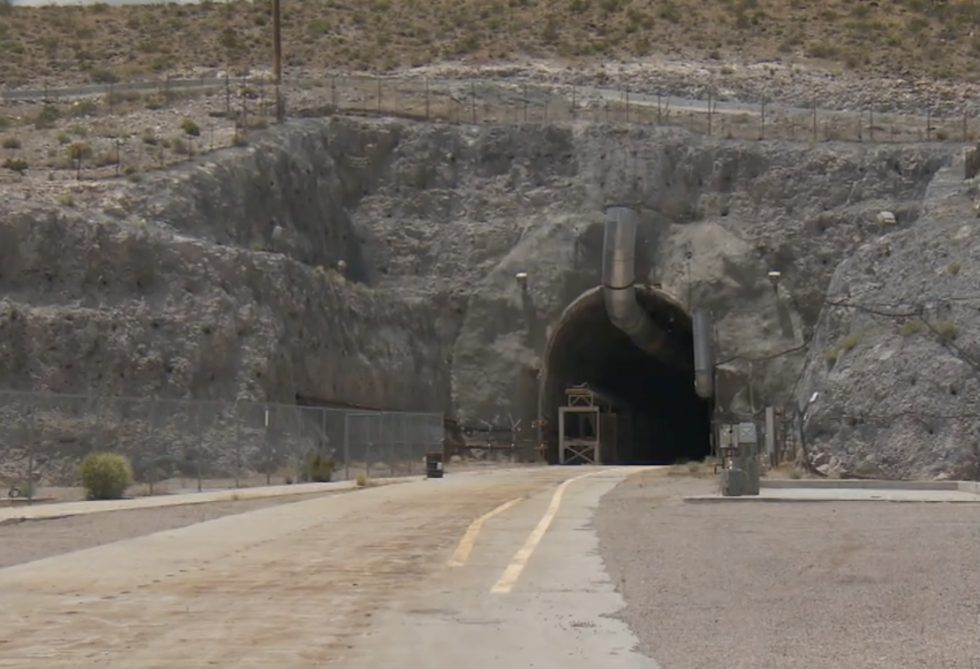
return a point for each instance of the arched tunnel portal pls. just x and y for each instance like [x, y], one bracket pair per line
[660, 418]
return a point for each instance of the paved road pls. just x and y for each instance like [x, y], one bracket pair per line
[356, 580]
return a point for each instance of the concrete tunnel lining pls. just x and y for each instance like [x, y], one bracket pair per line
[669, 421]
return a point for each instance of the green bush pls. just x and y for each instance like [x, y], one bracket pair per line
[191, 128]
[105, 475]
[316, 468]
[11, 143]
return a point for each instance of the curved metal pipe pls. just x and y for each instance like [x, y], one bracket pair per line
[619, 291]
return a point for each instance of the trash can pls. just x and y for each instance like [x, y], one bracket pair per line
[433, 465]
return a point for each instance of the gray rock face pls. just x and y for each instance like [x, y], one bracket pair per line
[894, 369]
[219, 279]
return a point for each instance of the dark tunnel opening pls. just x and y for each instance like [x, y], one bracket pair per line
[660, 418]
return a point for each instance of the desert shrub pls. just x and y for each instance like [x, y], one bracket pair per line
[79, 151]
[18, 165]
[11, 143]
[953, 268]
[946, 330]
[912, 327]
[190, 128]
[103, 75]
[47, 117]
[849, 342]
[179, 146]
[316, 468]
[105, 475]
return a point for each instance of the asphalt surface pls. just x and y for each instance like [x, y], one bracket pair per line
[361, 579]
[794, 585]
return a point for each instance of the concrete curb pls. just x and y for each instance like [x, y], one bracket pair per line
[709, 499]
[865, 484]
[67, 509]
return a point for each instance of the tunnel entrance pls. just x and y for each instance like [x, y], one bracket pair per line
[660, 418]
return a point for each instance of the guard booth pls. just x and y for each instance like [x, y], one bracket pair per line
[588, 427]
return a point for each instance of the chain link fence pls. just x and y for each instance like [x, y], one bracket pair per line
[187, 445]
[143, 125]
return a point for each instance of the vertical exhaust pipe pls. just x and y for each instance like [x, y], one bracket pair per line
[704, 355]
[618, 282]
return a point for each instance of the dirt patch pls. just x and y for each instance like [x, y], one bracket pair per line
[33, 540]
[793, 585]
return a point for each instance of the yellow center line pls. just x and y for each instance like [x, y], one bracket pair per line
[521, 557]
[465, 546]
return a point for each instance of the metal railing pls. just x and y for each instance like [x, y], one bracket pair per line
[186, 445]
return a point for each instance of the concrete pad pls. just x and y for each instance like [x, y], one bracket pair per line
[844, 495]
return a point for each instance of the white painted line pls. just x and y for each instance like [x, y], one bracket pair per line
[521, 557]
[465, 546]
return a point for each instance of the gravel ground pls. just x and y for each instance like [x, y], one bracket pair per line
[33, 540]
[849, 585]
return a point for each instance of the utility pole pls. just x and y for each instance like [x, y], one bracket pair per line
[277, 55]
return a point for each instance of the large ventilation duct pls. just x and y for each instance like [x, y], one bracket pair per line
[619, 291]
[704, 363]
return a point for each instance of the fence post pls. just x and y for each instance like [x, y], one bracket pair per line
[346, 447]
[574, 90]
[244, 109]
[323, 432]
[30, 456]
[473, 101]
[391, 441]
[762, 128]
[199, 450]
[267, 446]
[525, 103]
[238, 445]
[379, 94]
[333, 92]
[871, 124]
[427, 102]
[814, 121]
[367, 454]
[709, 112]
[928, 124]
[626, 95]
[966, 134]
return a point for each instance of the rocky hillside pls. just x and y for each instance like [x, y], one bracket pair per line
[905, 38]
[893, 375]
[373, 263]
